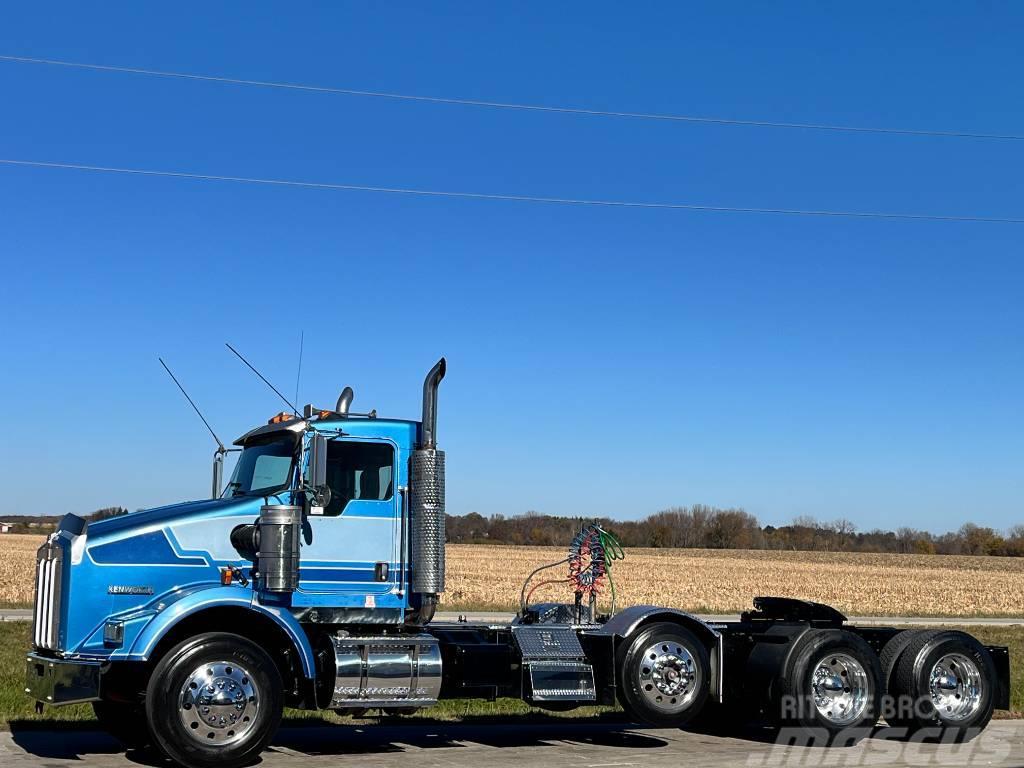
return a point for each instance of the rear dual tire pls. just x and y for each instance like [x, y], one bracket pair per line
[831, 686]
[942, 680]
[891, 653]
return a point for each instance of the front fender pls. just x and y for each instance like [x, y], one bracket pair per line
[213, 596]
[627, 621]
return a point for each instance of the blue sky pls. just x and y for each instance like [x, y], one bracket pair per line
[601, 362]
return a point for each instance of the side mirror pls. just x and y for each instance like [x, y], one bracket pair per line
[316, 466]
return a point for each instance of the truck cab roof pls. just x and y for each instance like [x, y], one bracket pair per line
[405, 432]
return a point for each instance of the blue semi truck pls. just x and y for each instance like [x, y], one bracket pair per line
[311, 580]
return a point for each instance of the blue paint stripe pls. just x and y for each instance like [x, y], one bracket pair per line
[357, 575]
[342, 564]
[151, 548]
[385, 511]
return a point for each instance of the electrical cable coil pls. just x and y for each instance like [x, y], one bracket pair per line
[590, 556]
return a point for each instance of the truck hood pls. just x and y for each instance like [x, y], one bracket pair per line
[193, 510]
[122, 564]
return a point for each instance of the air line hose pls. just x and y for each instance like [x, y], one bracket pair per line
[591, 554]
[612, 551]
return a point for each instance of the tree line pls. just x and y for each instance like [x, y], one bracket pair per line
[696, 527]
[40, 523]
[706, 527]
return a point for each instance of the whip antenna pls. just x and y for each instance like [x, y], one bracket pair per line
[263, 378]
[220, 445]
[298, 375]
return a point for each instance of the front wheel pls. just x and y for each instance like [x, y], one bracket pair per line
[214, 701]
[664, 675]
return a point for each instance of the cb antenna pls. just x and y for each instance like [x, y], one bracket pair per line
[298, 375]
[221, 452]
[220, 445]
[262, 378]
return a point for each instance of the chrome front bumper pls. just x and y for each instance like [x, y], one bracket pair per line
[61, 681]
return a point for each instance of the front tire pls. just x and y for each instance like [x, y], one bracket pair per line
[664, 675]
[214, 701]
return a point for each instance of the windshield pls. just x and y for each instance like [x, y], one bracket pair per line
[263, 466]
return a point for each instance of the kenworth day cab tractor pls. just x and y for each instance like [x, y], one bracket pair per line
[311, 581]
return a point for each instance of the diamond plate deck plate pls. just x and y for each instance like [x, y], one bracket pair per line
[540, 642]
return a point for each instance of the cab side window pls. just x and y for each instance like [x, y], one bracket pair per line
[356, 471]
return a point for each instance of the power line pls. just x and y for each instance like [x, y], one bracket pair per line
[507, 198]
[516, 106]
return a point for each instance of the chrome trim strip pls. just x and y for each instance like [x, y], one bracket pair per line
[51, 568]
[37, 626]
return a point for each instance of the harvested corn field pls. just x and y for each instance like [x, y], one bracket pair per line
[724, 581]
[713, 581]
[17, 567]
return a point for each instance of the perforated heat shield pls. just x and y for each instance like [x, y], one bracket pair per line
[427, 521]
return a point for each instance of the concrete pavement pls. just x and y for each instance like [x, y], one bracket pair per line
[574, 745]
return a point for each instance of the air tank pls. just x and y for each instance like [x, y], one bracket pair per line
[277, 558]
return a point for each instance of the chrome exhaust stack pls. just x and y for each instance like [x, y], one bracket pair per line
[428, 440]
[344, 401]
[427, 507]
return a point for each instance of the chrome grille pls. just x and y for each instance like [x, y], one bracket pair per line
[46, 619]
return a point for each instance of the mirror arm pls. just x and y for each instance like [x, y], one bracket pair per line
[218, 469]
[313, 481]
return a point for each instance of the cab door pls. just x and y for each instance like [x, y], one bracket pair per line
[352, 548]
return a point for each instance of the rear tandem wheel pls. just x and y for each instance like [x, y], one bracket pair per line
[831, 684]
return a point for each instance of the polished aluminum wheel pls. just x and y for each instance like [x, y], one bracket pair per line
[668, 676]
[840, 688]
[218, 703]
[955, 685]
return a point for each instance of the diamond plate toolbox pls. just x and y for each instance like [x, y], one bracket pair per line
[540, 642]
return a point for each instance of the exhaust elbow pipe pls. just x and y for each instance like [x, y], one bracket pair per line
[430, 384]
[344, 401]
